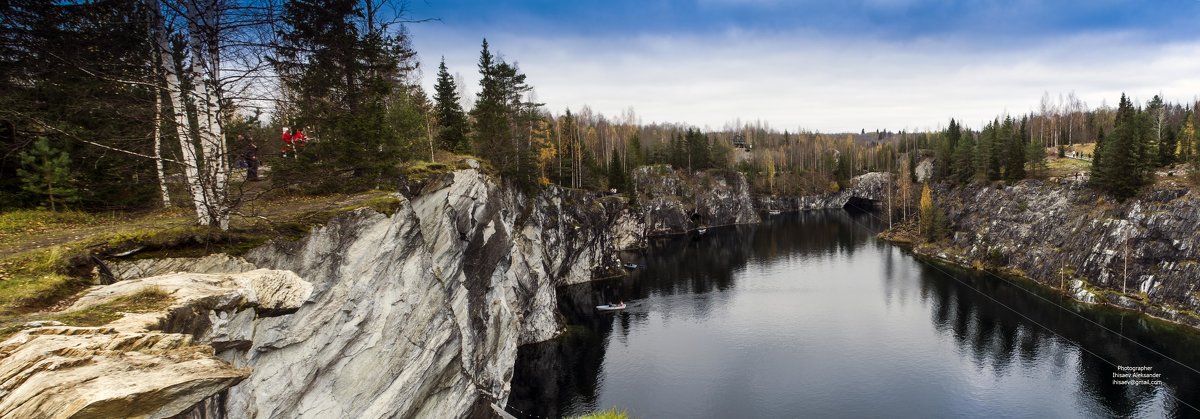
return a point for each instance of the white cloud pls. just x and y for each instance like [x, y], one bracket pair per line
[823, 83]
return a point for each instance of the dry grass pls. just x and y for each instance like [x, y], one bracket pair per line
[1066, 167]
[145, 300]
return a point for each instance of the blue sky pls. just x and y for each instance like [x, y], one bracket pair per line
[823, 65]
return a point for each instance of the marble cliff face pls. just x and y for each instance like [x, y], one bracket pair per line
[414, 314]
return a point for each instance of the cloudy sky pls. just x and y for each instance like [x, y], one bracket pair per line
[831, 66]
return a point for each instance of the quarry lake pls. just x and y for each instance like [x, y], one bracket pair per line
[809, 315]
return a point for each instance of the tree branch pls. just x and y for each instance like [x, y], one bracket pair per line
[77, 138]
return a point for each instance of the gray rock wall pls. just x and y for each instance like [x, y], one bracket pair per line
[871, 186]
[1042, 229]
[674, 201]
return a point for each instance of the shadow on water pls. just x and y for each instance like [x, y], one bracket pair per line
[565, 376]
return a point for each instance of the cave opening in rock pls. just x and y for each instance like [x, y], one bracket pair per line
[856, 204]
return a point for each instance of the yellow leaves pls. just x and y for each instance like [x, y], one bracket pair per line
[926, 199]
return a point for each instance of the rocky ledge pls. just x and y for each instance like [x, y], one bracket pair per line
[869, 189]
[155, 364]
[1142, 254]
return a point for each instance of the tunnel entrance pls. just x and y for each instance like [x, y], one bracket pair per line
[856, 204]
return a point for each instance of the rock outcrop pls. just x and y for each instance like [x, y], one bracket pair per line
[867, 187]
[1065, 232]
[143, 365]
[674, 202]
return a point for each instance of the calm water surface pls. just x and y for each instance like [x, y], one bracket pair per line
[807, 315]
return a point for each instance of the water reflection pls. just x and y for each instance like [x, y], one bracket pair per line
[807, 314]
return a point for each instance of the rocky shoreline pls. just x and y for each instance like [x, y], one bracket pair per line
[1140, 255]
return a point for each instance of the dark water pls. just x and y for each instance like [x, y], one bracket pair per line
[807, 315]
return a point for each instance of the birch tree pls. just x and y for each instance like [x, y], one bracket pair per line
[201, 138]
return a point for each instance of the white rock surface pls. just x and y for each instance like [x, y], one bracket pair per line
[90, 372]
[418, 314]
[127, 370]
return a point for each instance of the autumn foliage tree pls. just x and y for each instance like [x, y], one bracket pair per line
[932, 221]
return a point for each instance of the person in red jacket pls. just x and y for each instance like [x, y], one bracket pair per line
[298, 139]
[287, 143]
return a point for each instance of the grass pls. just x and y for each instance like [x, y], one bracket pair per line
[146, 300]
[1066, 167]
[1088, 149]
[419, 171]
[22, 222]
[605, 414]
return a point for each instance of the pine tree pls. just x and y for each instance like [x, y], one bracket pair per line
[964, 160]
[616, 173]
[451, 120]
[987, 153]
[1121, 167]
[1036, 156]
[504, 118]
[46, 171]
[345, 79]
[1013, 154]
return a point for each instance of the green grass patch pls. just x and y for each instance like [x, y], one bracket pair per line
[419, 171]
[37, 221]
[606, 414]
[1066, 167]
[24, 293]
[146, 300]
[384, 202]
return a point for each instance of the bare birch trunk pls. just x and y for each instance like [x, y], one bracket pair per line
[158, 162]
[208, 109]
[167, 69]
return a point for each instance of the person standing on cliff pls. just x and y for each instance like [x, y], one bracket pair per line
[250, 156]
[286, 137]
[298, 140]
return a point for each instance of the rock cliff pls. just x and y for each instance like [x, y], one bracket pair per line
[1064, 234]
[414, 314]
[866, 187]
[143, 365]
[673, 202]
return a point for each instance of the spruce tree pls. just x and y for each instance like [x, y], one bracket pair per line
[1013, 154]
[343, 78]
[987, 153]
[451, 120]
[964, 160]
[46, 171]
[1036, 156]
[1120, 167]
[616, 173]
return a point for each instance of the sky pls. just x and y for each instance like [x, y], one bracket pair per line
[828, 66]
